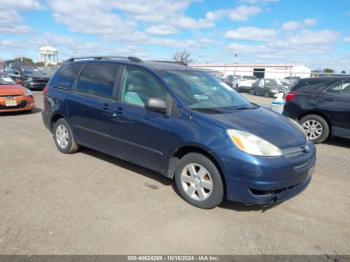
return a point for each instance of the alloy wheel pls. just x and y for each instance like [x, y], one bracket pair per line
[62, 136]
[313, 129]
[196, 181]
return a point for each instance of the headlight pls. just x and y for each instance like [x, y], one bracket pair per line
[27, 92]
[29, 79]
[252, 144]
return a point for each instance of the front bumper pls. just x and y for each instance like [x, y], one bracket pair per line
[266, 180]
[24, 103]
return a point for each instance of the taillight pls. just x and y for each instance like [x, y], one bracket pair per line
[46, 91]
[290, 97]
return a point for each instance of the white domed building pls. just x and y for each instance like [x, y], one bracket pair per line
[48, 55]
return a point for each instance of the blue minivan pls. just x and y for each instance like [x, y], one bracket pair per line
[181, 122]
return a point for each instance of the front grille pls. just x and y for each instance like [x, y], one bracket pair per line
[268, 192]
[23, 104]
[39, 81]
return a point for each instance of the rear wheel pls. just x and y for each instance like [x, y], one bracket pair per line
[266, 94]
[63, 137]
[315, 127]
[199, 181]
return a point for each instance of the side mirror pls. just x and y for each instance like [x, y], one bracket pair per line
[157, 104]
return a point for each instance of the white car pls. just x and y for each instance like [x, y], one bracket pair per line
[245, 84]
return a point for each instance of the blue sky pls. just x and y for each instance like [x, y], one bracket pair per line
[313, 32]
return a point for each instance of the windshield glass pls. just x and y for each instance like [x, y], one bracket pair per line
[249, 77]
[6, 80]
[201, 91]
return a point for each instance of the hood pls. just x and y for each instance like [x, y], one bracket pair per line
[266, 124]
[37, 75]
[11, 90]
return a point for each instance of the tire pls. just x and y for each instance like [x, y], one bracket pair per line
[204, 187]
[64, 138]
[316, 128]
[266, 94]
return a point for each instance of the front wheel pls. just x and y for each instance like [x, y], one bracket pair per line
[199, 181]
[64, 138]
[315, 127]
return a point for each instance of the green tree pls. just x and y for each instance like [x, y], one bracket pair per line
[328, 71]
[343, 72]
[24, 60]
[40, 64]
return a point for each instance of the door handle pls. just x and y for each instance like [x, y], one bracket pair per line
[329, 99]
[118, 112]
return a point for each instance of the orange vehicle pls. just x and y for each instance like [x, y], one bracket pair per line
[14, 97]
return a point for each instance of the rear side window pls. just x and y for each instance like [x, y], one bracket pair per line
[335, 90]
[98, 80]
[66, 76]
[341, 89]
[311, 85]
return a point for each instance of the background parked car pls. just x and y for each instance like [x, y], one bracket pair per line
[13, 97]
[268, 87]
[245, 84]
[30, 77]
[322, 106]
[232, 80]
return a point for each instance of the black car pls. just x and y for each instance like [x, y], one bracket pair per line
[322, 106]
[268, 87]
[30, 77]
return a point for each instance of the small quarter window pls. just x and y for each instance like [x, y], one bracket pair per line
[66, 76]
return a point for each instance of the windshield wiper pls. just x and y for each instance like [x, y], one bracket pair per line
[209, 110]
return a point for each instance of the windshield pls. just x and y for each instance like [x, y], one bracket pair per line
[249, 77]
[200, 91]
[6, 80]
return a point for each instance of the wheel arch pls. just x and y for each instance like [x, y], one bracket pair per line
[54, 119]
[179, 153]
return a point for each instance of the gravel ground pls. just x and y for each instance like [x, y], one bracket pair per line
[90, 203]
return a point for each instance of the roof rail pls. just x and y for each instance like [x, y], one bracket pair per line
[170, 62]
[130, 58]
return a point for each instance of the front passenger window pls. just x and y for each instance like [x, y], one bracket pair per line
[138, 86]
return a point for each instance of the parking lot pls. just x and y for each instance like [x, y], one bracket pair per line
[90, 203]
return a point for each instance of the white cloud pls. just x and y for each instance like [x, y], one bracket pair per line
[161, 30]
[11, 23]
[243, 13]
[20, 5]
[347, 39]
[292, 25]
[296, 25]
[251, 33]
[259, 1]
[310, 22]
[314, 38]
[121, 20]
